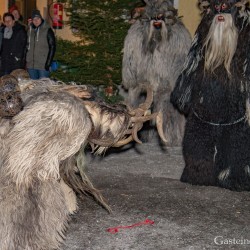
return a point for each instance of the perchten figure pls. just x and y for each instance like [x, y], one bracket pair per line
[213, 91]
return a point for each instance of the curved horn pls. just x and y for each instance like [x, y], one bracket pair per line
[149, 99]
[144, 118]
[140, 120]
[159, 126]
[123, 142]
[135, 130]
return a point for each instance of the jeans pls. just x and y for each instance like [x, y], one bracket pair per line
[38, 73]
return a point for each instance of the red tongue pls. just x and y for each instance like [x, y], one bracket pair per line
[157, 25]
[221, 19]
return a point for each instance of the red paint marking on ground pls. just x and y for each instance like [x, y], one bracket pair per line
[114, 230]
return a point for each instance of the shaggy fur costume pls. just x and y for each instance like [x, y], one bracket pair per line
[33, 213]
[213, 92]
[154, 52]
[42, 138]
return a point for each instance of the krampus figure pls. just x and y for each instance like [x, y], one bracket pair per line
[154, 52]
[213, 91]
[40, 135]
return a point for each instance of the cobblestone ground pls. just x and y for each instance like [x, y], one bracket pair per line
[142, 183]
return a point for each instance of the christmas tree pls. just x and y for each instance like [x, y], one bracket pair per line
[101, 26]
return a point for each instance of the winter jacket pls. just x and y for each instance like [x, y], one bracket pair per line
[1, 35]
[13, 49]
[1, 39]
[41, 46]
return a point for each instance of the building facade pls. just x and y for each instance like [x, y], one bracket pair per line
[187, 9]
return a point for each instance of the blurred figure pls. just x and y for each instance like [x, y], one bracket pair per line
[41, 47]
[15, 12]
[1, 31]
[29, 21]
[1, 38]
[13, 45]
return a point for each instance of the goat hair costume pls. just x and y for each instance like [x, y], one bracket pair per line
[43, 126]
[213, 91]
[154, 52]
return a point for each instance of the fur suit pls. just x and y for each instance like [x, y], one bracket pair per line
[43, 126]
[154, 52]
[33, 211]
[213, 92]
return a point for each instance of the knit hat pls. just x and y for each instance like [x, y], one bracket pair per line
[36, 13]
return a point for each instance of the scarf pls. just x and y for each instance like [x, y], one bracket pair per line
[7, 33]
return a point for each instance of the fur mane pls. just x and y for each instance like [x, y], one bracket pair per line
[109, 123]
[220, 44]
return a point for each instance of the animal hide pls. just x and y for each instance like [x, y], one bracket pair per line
[154, 52]
[44, 128]
[213, 92]
[33, 213]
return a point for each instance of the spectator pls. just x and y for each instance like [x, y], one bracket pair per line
[15, 12]
[1, 31]
[1, 38]
[41, 47]
[13, 45]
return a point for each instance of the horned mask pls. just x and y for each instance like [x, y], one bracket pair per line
[160, 11]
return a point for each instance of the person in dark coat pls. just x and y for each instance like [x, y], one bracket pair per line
[41, 47]
[1, 39]
[1, 32]
[13, 45]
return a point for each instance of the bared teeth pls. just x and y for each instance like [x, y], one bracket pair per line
[157, 25]
[221, 19]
